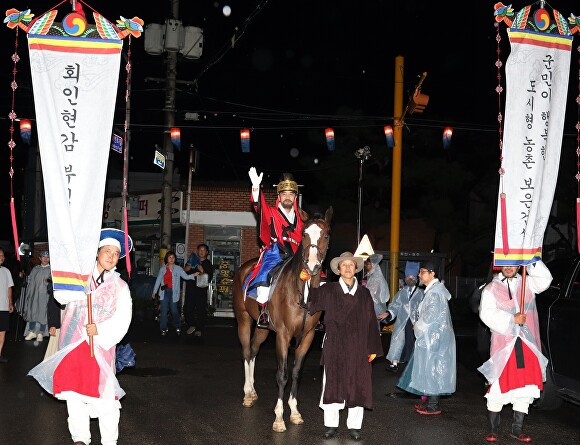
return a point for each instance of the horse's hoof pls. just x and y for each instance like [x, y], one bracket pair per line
[254, 395]
[279, 427]
[296, 419]
[248, 401]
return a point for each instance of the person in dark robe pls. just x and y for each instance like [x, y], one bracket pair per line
[352, 340]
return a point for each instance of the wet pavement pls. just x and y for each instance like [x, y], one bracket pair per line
[188, 390]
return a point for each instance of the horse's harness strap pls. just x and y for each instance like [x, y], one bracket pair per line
[292, 240]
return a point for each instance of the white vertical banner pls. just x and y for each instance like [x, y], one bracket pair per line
[75, 87]
[537, 73]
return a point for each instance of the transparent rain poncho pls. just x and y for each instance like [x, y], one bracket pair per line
[404, 306]
[377, 285]
[112, 307]
[432, 367]
[497, 311]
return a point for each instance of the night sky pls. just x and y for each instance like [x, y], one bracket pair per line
[299, 67]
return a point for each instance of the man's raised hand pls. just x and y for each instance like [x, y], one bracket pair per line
[255, 177]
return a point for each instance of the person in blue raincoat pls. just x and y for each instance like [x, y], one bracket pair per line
[376, 283]
[431, 371]
[404, 310]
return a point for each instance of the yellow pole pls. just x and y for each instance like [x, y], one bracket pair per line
[396, 184]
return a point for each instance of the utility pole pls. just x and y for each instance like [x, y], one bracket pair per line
[169, 109]
[396, 181]
[416, 104]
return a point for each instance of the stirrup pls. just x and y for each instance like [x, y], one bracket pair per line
[263, 321]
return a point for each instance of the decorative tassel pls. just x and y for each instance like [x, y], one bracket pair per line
[127, 253]
[14, 228]
[304, 276]
[578, 222]
[504, 229]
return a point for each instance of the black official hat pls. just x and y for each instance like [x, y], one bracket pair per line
[428, 265]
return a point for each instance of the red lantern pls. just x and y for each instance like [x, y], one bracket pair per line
[25, 130]
[447, 133]
[329, 133]
[389, 136]
[176, 137]
[245, 140]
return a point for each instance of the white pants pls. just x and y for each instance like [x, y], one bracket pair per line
[520, 404]
[262, 294]
[332, 412]
[79, 416]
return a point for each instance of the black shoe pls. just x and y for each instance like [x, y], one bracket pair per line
[354, 434]
[400, 395]
[393, 368]
[330, 432]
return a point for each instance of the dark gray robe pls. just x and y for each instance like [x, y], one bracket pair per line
[351, 336]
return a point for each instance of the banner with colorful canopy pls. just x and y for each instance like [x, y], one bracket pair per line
[537, 75]
[75, 70]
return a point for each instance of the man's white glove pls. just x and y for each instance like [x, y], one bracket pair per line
[255, 177]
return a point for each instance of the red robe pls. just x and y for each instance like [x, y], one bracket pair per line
[274, 228]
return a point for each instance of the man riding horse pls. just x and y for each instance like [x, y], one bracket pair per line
[280, 232]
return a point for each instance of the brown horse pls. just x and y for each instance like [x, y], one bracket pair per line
[288, 317]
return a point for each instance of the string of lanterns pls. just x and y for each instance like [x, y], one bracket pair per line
[175, 133]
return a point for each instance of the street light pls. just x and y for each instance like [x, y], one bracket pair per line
[362, 154]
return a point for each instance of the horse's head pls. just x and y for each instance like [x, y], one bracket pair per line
[315, 239]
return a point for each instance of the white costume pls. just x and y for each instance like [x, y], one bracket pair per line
[89, 384]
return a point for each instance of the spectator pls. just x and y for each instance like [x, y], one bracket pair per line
[195, 307]
[6, 306]
[431, 371]
[54, 312]
[168, 283]
[517, 366]
[36, 299]
[352, 340]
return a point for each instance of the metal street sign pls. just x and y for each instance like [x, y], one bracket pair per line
[117, 143]
[159, 159]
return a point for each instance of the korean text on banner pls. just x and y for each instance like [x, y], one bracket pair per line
[75, 87]
[537, 72]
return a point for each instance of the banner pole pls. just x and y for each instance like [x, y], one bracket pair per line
[523, 290]
[90, 321]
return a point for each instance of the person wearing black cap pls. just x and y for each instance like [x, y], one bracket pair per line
[87, 382]
[431, 371]
[280, 232]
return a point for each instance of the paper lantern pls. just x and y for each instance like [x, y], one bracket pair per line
[447, 133]
[245, 140]
[329, 133]
[176, 137]
[389, 136]
[25, 130]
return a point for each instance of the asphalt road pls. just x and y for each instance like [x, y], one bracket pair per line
[188, 390]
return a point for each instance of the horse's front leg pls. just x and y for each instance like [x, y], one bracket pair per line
[282, 343]
[299, 354]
